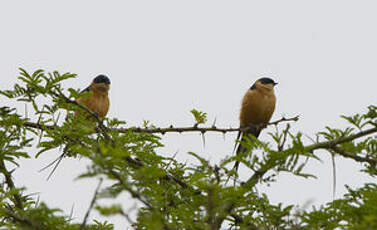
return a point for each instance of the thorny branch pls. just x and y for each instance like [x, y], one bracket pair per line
[170, 129]
[162, 131]
[195, 128]
[320, 145]
[285, 134]
[138, 196]
[253, 180]
[82, 226]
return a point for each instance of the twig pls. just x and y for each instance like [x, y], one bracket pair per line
[332, 143]
[82, 226]
[9, 181]
[127, 217]
[19, 219]
[353, 156]
[285, 134]
[103, 128]
[133, 193]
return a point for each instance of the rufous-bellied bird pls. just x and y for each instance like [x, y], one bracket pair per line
[96, 100]
[258, 105]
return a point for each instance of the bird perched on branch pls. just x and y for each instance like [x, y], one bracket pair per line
[258, 105]
[96, 100]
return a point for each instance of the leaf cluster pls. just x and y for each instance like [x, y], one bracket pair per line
[167, 193]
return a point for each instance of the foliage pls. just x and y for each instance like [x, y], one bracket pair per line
[200, 117]
[172, 194]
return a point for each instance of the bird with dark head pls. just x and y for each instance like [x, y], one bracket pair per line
[257, 107]
[97, 101]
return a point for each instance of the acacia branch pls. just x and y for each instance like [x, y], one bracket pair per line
[195, 128]
[18, 219]
[87, 110]
[137, 195]
[310, 148]
[346, 154]
[340, 140]
[162, 131]
[91, 205]
[170, 129]
[133, 193]
[253, 180]
[9, 181]
[102, 127]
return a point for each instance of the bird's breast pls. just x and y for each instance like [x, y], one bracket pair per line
[101, 106]
[257, 108]
[98, 104]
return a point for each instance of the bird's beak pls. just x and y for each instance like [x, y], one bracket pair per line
[275, 83]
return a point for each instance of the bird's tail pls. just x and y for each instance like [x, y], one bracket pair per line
[255, 131]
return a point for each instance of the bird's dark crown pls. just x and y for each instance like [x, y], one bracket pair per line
[102, 79]
[266, 80]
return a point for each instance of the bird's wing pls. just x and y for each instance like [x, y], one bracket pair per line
[87, 89]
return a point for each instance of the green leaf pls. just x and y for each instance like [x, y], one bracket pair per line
[200, 117]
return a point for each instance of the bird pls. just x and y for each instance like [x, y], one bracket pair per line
[257, 107]
[97, 101]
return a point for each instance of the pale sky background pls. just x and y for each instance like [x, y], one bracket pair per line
[166, 57]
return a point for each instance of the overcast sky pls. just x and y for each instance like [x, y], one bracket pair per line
[166, 57]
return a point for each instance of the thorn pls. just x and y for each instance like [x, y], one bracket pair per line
[57, 119]
[37, 201]
[214, 123]
[71, 213]
[57, 161]
[204, 140]
[26, 113]
[334, 176]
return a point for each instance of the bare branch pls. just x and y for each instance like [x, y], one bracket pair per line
[82, 226]
[285, 134]
[170, 129]
[198, 129]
